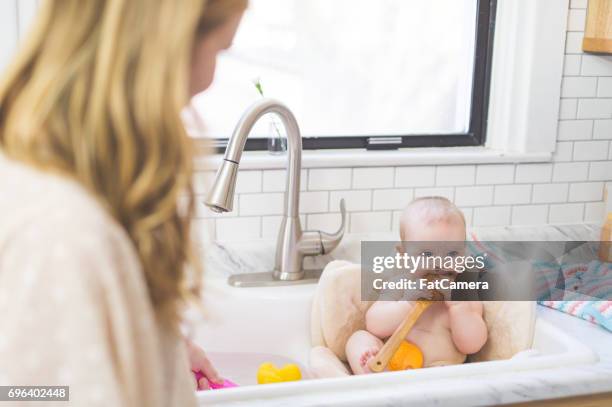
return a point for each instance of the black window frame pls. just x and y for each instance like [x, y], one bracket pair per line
[476, 134]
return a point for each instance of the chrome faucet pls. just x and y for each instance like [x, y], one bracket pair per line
[293, 243]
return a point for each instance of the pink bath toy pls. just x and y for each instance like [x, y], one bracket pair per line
[225, 385]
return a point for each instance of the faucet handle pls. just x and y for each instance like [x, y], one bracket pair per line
[316, 242]
[329, 241]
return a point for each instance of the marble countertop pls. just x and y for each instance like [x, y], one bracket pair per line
[253, 256]
[506, 387]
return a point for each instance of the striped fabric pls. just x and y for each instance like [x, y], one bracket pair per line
[594, 280]
[565, 287]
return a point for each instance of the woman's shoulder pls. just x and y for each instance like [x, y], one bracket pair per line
[40, 209]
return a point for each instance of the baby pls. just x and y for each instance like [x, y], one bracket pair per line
[447, 331]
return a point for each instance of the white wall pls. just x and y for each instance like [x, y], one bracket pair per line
[15, 18]
[9, 33]
[567, 190]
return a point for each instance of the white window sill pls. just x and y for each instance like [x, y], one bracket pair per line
[259, 160]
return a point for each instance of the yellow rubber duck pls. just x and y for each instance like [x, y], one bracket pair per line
[269, 373]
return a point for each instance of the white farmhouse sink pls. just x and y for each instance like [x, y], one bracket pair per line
[249, 326]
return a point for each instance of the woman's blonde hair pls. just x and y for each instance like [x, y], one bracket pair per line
[96, 93]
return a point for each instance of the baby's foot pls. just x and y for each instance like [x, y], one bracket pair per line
[366, 356]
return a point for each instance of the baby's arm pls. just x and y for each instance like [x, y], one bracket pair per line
[383, 317]
[467, 326]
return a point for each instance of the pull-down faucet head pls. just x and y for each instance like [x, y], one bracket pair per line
[221, 196]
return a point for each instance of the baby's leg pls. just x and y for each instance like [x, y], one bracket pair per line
[360, 348]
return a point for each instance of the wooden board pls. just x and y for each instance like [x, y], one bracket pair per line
[598, 30]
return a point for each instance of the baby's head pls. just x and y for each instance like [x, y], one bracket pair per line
[432, 218]
[433, 227]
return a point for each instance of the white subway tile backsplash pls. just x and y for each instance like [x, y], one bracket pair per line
[202, 181]
[261, 204]
[547, 193]
[600, 171]
[566, 213]
[314, 201]
[492, 216]
[354, 200]
[529, 214]
[512, 194]
[576, 20]
[533, 173]
[575, 171]
[365, 222]
[610, 152]
[594, 109]
[447, 193]
[395, 220]
[590, 150]
[421, 176]
[596, 65]
[203, 230]
[575, 130]
[248, 181]
[578, 87]
[276, 180]
[595, 212]
[564, 172]
[385, 199]
[329, 179]
[474, 196]
[602, 129]
[604, 87]
[586, 191]
[568, 109]
[495, 174]
[573, 43]
[468, 214]
[381, 177]
[563, 152]
[571, 65]
[238, 229]
[455, 175]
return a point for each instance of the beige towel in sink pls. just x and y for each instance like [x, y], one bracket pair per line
[337, 312]
[337, 309]
[511, 329]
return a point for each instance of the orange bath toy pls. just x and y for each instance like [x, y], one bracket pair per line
[407, 356]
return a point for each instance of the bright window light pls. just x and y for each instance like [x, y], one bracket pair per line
[350, 67]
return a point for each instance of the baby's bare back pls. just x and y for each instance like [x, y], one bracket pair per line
[432, 335]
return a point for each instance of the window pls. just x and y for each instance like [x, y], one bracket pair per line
[403, 73]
